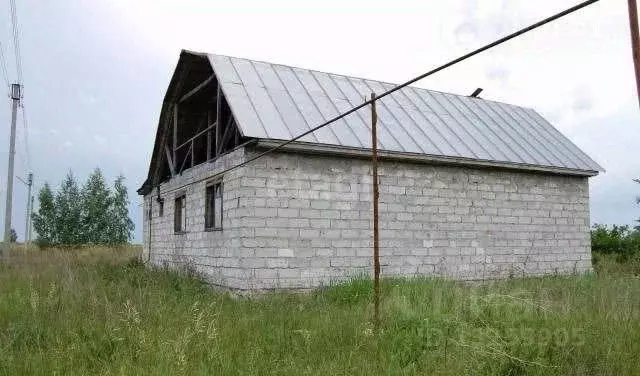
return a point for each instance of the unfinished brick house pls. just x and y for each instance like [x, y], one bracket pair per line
[470, 188]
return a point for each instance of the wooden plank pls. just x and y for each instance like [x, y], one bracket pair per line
[185, 159]
[228, 132]
[196, 89]
[218, 119]
[172, 167]
[196, 136]
[209, 133]
[166, 123]
[193, 151]
[175, 130]
[223, 140]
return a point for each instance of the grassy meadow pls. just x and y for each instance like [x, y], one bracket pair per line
[99, 311]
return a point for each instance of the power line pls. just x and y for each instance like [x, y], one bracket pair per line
[18, 57]
[26, 135]
[405, 84]
[3, 65]
[16, 39]
[20, 157]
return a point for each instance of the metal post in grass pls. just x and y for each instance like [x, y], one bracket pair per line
[376, 246]
[635, 41]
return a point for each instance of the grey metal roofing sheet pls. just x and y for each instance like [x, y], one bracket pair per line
[272, 101]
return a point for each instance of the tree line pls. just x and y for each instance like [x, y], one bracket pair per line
[91, 214]
[622, 241]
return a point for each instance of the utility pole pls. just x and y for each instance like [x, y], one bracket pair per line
[30, 220]
[27, 237]
[27, 220]
[15, 97]
[376, 195]
[635, 41]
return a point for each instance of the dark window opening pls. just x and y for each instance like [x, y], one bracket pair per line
[160, 207]
[213, 207]
[180, 214]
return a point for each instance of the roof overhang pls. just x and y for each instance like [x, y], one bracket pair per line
[343, 151]
[480, 134]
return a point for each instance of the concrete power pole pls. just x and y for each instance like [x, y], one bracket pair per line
[27, 224]
[15, 97]
[30, 220]
[27, 220]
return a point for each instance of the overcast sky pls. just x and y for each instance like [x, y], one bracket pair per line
[95, 72]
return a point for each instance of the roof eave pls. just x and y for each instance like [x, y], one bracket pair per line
[325, 149]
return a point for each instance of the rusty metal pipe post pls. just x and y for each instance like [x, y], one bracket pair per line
[635, 41]
[376, 194]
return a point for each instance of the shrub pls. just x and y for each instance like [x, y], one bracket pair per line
[617, 240]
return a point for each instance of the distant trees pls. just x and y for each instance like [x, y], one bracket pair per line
[93, 214]
[618, 240]
[121, 227]
[622, 241]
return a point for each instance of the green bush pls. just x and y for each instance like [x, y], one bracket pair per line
[616, 240]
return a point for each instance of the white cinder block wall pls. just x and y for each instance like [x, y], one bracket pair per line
[215, 254]
[300, 221]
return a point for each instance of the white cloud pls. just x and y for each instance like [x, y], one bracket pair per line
[576, 71]
[99, 139]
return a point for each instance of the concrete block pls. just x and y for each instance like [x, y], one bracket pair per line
[310, 217]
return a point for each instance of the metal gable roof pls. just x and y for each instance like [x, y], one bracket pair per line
[272, 101]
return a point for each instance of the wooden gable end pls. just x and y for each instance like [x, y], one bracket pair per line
[196, 124]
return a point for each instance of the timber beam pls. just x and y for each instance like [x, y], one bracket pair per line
[228, 131]
[209, 133]
[206, 130]
[172, 167]
[218, 120]
[175, 130]
[187, 155]
[166, 124]
[197, 89]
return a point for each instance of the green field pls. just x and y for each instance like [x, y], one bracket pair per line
[97, 311]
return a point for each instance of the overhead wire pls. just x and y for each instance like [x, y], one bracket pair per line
[18, 58]
[3, 65]
[405, 84]
[16, 39]
[26, 136]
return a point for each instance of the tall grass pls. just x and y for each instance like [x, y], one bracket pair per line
[99, 311]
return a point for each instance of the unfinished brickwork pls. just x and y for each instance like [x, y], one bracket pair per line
[301, 221]
[214, 254]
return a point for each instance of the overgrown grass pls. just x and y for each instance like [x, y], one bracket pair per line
[98, 311]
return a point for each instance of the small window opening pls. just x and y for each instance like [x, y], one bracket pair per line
[160, 207]
[213, 207]
[180, 214]
[148, 210]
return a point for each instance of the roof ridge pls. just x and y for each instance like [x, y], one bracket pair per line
[356, 77]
